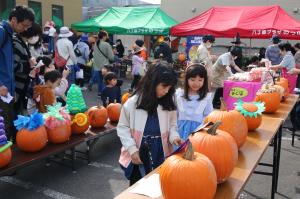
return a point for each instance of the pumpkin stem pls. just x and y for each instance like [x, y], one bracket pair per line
[223, 104]
[213, 129]
[189, 153]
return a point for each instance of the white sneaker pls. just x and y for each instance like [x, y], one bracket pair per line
[83, 88]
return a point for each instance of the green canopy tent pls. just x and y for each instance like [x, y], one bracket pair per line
[129, 21]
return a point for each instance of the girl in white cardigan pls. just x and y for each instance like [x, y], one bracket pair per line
[147, 126]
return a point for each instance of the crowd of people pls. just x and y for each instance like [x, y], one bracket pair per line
[37, 66]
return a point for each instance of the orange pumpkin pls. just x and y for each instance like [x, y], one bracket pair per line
[32, 141]
[270, 96]
[189, 175]
[125, 97]
[281, 91]
[181, 57]
[232, 122]
[114, 111]
[5, 157]
[97, 116]
[80, 123]
[59, 134]
[252, 111]
[285, 84]
[219, 147]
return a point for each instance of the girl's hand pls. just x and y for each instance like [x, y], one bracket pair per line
[177, 141]
[135, 157]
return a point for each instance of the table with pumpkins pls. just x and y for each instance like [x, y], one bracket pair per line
[218, 160]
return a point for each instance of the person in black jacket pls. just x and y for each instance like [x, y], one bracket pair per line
[120, 48]
[164, 51]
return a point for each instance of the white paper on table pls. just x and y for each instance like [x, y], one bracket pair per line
[7, 99]
[148, 186]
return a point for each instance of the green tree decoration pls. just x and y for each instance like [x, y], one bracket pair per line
[75, 100]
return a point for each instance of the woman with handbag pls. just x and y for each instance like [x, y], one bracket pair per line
[103, 55]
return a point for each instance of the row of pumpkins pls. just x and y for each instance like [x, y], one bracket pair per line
[36, 139]
[212, 153]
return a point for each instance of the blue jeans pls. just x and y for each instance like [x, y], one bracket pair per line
[97, 78]
[72, 75]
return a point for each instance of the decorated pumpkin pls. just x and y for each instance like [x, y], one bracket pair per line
[114, 111]
[189, 176]
[80, 123]
[58, 124]
[97, 116]
[252, 111]
[219, 147]
[32, 135]
[281, 91]
[181, 57]
[5, 150]
[270, 97]
[233, 123]
[125, 97]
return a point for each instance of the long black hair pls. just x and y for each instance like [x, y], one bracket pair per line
[146, 90]
[193, 71]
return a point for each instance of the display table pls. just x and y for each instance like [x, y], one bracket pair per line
[234, 90]
[249, 157]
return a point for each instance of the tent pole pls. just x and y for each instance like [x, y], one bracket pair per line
[250, 42]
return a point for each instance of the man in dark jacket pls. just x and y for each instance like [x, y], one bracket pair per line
[164, 51]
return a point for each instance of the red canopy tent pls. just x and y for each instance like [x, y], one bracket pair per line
[249, 21]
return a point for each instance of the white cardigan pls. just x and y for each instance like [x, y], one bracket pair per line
[131, 127]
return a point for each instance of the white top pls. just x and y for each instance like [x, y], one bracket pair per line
[65, 49]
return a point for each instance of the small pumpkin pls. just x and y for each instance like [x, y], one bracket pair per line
[270, 97]
[59, 134]
[281, 91]
[97, 116]
[125, 97]
[189, 175]
[114, 111]
[5, 155]
[80, 123]
[281, 81]
[252, 111]
[181, 57]
[237, 129]
[32, 141]
[219, 147]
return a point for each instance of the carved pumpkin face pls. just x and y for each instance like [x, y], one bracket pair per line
[97, 116]
[189, 175]
[32, 141]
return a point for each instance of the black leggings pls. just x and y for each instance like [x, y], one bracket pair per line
[217, 96]
[135, 81]
[135, 175]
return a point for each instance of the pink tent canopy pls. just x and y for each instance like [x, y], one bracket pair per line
[249, 21]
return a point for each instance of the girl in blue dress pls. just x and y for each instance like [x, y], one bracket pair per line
[194, 102]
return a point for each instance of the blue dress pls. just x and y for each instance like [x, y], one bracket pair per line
[151, 149]
[191, 113]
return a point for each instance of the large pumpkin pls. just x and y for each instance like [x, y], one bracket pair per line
[97, 116]
[5, 155]
[80, 123]
[270, 96]
[219, 147]
[125, 97]
[59, 134]
[233, 123]
[252, 111]
[189, 176]
[32, 141]
[114, 111]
